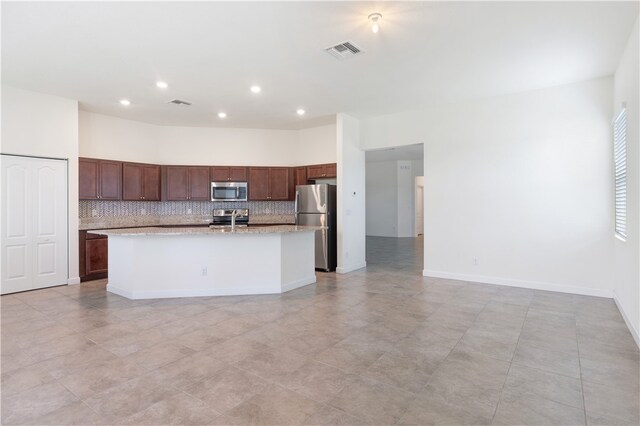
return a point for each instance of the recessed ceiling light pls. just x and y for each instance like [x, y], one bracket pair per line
[162, 84]
[125, 102]
[300, 111]
[222, 115]
[256, 89]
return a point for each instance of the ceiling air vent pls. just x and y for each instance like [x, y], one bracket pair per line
[179, 102]
[344, 50]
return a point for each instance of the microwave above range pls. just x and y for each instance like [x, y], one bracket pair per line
[228, 191]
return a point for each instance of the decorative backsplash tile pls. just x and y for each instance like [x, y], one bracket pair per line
[99, 208]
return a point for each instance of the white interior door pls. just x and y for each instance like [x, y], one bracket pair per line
[34, 223]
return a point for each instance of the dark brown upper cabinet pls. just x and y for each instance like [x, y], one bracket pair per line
[300, 176]
[187, 183]
[270, 184]
[319, 171]
[140, 182]
[99, 179]
[231, 174]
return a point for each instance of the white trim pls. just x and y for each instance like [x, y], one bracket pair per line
[536, 285]
[231, 291]
[630, 325]
[298, 283]
[350, 268]
[73, 281]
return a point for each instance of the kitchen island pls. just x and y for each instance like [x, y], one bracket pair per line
[151, 262]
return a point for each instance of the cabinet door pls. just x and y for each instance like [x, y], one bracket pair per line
[87, 179]
[110, 180]
[199, 184]
[279, 183]
[314, 172]
[151, 183]
[96, 256]
[331, 170]
[300, 177]
[258, 183]
[219, 174]
[238, 174]
[177, 183]
[132, 182]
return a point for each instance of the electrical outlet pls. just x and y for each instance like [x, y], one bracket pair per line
[143, 211]
[204, 272]
[475, 261]
[94, 212]
[188, 211]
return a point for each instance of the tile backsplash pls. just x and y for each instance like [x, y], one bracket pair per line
[101, 208]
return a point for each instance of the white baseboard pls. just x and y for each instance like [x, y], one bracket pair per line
[73, 280]
[535, 285]
[163, 294]
[630, 325]
[298, 283]
[350, 268]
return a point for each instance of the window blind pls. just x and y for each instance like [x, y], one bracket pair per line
[620, 159]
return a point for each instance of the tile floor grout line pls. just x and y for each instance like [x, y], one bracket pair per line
[506, 377]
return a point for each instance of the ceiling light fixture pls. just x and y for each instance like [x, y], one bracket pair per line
[374, 18]
[222, 115]
[162, 84]
[125, 102]
[256, 89]
[300, 111]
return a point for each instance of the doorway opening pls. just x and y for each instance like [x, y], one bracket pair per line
[394, 208]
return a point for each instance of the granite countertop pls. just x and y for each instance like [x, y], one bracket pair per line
[278, 229]
[147, 221]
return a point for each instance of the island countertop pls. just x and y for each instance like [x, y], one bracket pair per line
[275, 229]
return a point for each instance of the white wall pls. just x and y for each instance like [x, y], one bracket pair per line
[627, 254]
[45, 126]
[102, 136]
[521, 182]
[350, 195]
[317, 145]
[390, 194]
[382, 198]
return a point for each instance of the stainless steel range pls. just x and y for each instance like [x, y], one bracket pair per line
[223, 218]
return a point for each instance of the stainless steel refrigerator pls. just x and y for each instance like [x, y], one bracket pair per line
[316, 206]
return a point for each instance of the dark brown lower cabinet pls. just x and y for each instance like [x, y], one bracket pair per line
[94, 259]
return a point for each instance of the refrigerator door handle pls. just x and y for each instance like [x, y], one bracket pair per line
[295, 206]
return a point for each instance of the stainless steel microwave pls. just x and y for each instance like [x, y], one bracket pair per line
[228, 191]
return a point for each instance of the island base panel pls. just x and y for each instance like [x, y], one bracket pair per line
[163, 266]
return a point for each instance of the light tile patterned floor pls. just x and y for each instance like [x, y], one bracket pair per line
[379, 346]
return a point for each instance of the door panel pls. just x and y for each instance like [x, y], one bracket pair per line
[97, 256]
[199, 184]
[50, 233]
[45, 207]
[16, 264]
[46, 259]
[331, 170]
[131, 182]
[238, 174]
[110, 180]
[177, 183]
[278, 184]
[312, 199]
[34, 228]
[219, 174]
[151, 183]
[258, 183]
[87, 179]
[321, 245]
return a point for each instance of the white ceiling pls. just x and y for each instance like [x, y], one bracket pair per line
[400, 153]
[426, 53]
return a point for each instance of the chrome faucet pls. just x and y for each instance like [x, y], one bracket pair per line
[234, 213]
